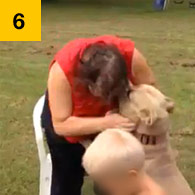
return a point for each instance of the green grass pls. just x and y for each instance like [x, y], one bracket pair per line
[166, 39]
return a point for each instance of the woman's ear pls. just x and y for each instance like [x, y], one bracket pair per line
[169, 105]
[130, 84]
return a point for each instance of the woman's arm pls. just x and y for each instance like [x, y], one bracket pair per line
[142, 74]
[60, 101]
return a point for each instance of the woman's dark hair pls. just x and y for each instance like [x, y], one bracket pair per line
[103, 71]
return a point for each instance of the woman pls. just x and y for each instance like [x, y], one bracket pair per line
[86, 78]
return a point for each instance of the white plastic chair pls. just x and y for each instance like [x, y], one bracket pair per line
[44, 157]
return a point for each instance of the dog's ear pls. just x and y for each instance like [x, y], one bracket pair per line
[146, 116]
[169, 105]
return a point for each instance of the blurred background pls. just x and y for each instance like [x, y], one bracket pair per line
[165, 37]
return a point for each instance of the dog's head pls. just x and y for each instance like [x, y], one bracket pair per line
[147, 104]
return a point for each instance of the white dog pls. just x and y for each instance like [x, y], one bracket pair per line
[149, 109]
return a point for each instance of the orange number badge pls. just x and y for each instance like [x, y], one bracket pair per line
[20, 20]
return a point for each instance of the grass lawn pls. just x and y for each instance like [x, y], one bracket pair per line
[166, 39]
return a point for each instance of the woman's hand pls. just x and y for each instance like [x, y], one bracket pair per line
[114, 120]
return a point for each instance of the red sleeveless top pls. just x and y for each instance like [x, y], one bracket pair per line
[84, 103]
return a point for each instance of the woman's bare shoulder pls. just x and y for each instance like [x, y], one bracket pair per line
[56, 70]
[56, 74]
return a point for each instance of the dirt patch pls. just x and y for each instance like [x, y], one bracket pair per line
[187, 131]
[18, 103]
[186, 63]
[49, 50]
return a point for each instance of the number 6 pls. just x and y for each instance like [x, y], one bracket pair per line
[15, 21]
